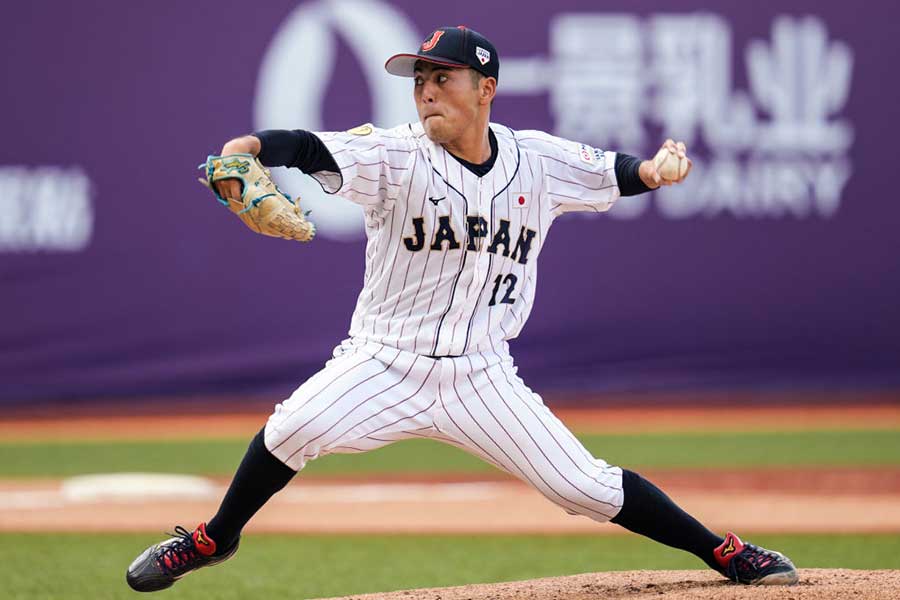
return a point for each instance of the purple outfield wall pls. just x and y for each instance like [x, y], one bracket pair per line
[776, 265]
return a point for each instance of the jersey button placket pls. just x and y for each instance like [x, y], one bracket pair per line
[481, 261]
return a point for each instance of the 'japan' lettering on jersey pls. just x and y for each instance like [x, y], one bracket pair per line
[451, 258]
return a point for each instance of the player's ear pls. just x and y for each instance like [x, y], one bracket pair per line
[487, 90]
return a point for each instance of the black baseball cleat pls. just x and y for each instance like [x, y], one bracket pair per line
[745, 563]
[162, 564]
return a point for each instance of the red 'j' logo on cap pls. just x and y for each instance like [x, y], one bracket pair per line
[433, 41]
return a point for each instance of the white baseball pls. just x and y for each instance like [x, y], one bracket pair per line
[669, 165]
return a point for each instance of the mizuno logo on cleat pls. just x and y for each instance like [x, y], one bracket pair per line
[729, 548]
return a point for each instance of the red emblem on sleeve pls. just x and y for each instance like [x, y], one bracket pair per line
[430, 44]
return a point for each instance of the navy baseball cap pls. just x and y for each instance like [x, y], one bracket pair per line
[456, 47]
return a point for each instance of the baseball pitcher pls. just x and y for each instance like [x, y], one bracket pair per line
[457, 211]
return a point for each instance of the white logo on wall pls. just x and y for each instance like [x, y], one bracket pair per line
[295, 74]
[775, 150]
[45, 209]
[673, 73]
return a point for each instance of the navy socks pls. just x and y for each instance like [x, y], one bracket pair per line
[649, 512]
[258, 477]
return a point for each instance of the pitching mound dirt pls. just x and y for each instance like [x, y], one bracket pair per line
[819, 584]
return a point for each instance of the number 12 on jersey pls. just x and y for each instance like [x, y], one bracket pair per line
[510, 281]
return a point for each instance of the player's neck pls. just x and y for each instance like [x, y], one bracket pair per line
[473, 145]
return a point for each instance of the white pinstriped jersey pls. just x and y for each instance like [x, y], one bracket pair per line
[451, 258]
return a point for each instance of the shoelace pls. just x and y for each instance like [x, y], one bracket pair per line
[177, 554]
[755, 557]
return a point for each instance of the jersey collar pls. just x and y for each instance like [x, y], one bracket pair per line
[505, 168]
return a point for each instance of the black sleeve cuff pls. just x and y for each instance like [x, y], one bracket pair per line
[297, 148]
[630, 183]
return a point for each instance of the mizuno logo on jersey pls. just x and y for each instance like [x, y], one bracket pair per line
[436, 200]
[477, 227]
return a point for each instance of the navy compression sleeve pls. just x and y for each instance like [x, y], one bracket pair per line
[630, 183]
[296, 148]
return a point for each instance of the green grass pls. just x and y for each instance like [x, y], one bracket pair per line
[220, 457]
[91, 567]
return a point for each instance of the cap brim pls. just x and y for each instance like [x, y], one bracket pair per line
[403, 65]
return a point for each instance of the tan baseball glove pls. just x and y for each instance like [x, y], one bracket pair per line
[262, 207]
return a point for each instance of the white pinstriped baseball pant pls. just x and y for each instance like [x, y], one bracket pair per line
[370, 395]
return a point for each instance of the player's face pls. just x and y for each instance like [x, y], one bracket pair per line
[446, 99]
